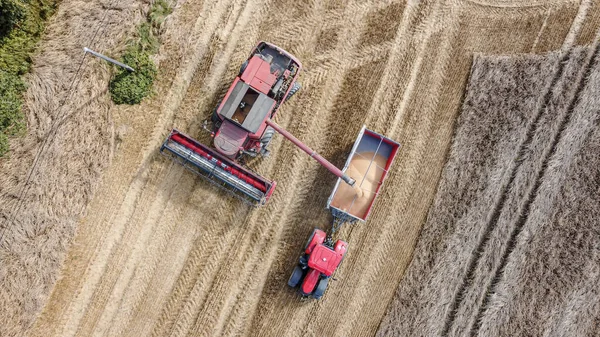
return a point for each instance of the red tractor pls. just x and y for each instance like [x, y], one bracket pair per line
[320, 259]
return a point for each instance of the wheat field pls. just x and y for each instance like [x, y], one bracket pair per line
[110, 238]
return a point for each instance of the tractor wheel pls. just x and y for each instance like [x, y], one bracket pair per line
[310, 239]
[303, 260]
[243, 67]
[294, 90]
[321, 287]
[295, 277]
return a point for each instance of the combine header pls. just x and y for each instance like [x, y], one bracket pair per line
[243, 126]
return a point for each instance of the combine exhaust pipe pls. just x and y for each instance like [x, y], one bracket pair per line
[311, 153]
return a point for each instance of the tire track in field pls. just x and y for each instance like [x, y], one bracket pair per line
[577, 24]
[501, 198]
[147, 250]
[121, 261]
[199, 265]
[394, 86]
[137, 287]
[488, 256]
[131, 197]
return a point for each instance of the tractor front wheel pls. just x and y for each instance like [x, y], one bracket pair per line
[296, 277]
[321, 287]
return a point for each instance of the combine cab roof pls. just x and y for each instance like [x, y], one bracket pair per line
[257, 106]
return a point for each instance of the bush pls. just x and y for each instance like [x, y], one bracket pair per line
[11, 118]
[158, 13]
[131, 87]
[11, 14]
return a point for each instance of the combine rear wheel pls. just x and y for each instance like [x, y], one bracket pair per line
[321, 287]
[294, 90]
[266, 140]
[296, 277]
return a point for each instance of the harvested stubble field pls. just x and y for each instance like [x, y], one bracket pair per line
[158, 251]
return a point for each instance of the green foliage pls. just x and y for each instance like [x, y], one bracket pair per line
[11, 14]
[146, 40]
[158, 13]
[131, 87]
[11, 118]
[15, 51]
[22, 23]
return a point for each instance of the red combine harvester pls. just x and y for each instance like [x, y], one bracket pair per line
[243, 126]
[368, 163]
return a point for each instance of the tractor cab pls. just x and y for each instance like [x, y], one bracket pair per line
[324, 259]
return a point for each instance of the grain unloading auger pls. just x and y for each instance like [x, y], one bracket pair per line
[243, 126]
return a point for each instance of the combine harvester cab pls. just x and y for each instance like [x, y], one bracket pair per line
[217, 169]
[368, 164]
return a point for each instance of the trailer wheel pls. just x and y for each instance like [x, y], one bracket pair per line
[321, 287]
[294, 90]
[295, 277]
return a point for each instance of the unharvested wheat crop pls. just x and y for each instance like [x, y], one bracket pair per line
[511, 245]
